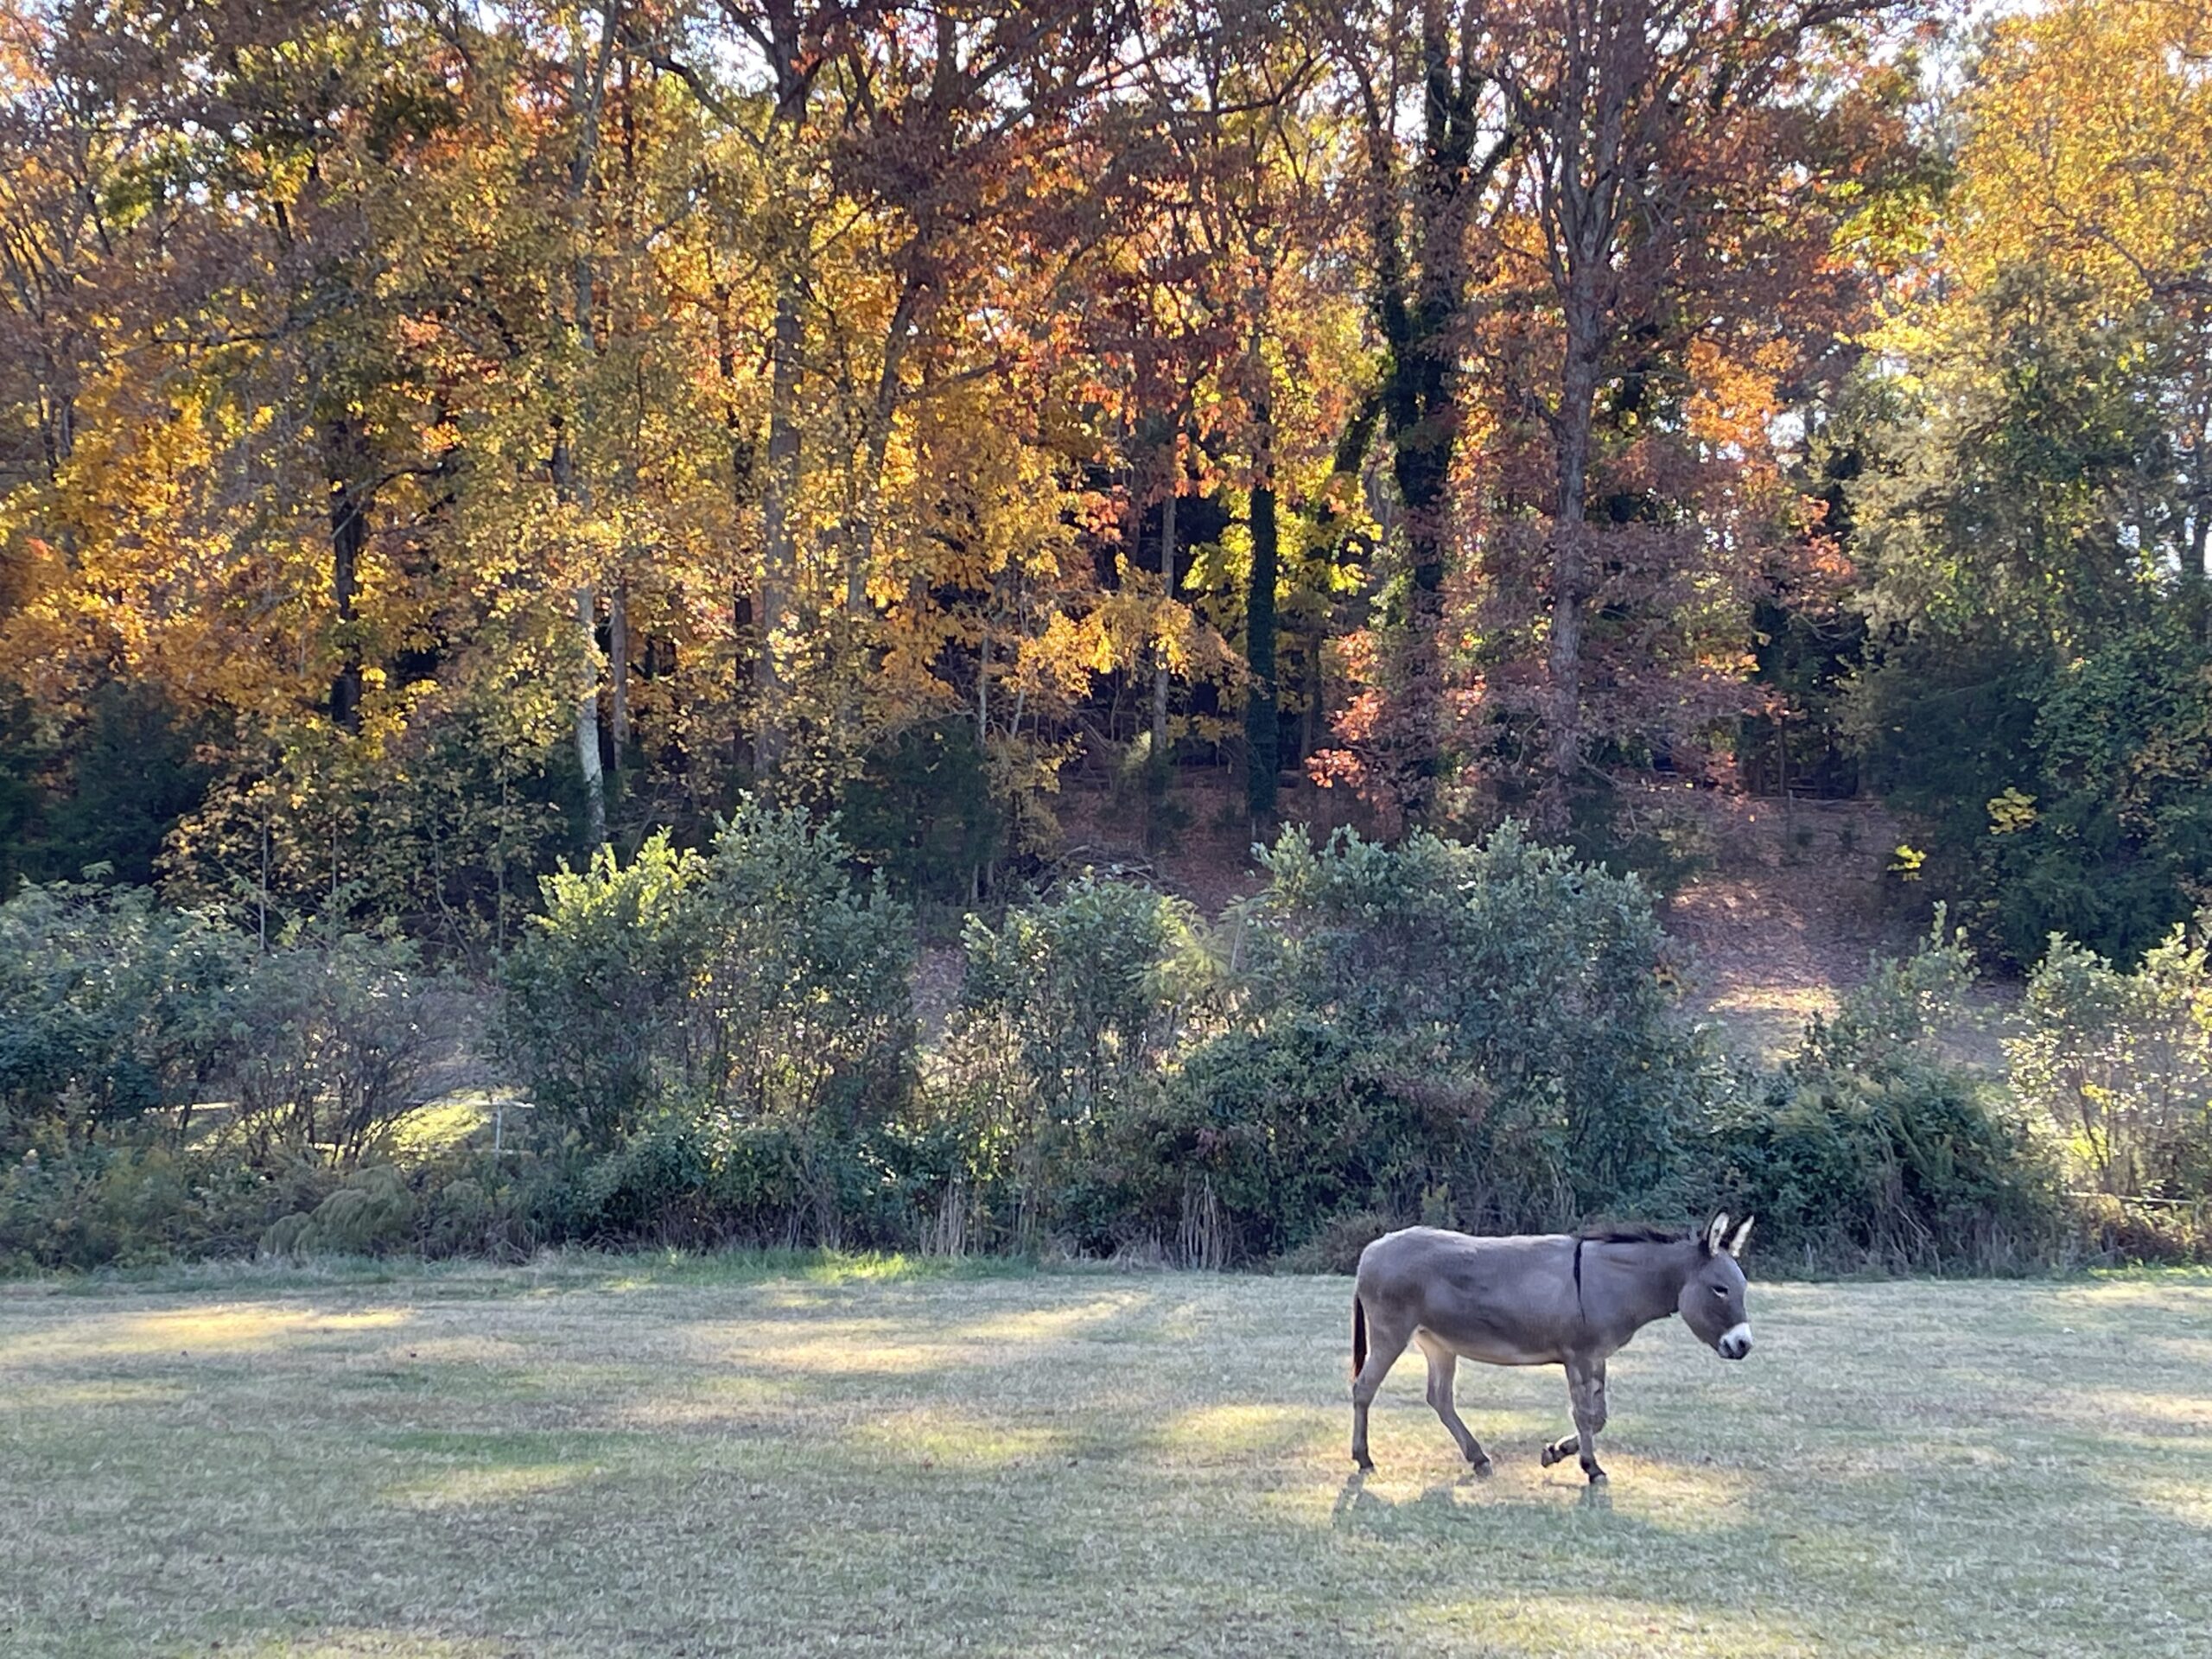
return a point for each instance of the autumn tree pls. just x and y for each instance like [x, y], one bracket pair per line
[2031, 517]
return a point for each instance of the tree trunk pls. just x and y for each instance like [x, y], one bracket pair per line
[1263, 732]
[1569, 561]
[344, 448]
[1158, 756]
[743, 486]
[983, 691]
[618, 669]
[588, 95]
[588, 719]
[778, 545]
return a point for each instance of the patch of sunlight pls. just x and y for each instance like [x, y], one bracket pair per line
[361, 1642]
[458, 1489]
[1665, 1501]
[112, 1391]
[2152, 1414]
[1245, 1429]
[2189, 1501]
[1676, 1495]
[443, 1123]
[1042, 1324]
[1578, 1625]
[2159, 1292]
[865, 1268]
[187, 1329]
[2197, 1350]
[725, 1400]
[834, 1353]
[954, 1440]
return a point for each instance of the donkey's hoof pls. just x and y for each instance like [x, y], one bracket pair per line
[1550, 1455]
[1597, 1477]
[1366, 1465]
[1484, 1470]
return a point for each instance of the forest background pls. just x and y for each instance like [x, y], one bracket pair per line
[482, 488]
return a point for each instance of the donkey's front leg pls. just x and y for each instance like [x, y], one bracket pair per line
[1586, 1393]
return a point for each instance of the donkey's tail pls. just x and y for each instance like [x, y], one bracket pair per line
[1358, 1336]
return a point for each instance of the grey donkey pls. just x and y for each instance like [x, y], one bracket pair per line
[1552, 1299]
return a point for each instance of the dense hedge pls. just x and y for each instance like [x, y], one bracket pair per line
[720, 1046]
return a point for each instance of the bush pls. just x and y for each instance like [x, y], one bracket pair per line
[1471, 1035]
[1070, 1010]
[1520, 994]
[804, 1012]
[595, 1006]
[119, 1023]
[2121, 1065]
[1868, 1149]
[124, 1202]
[336, 1039]
[693, 1021]
[113, 1010]
[373, 1213]
[1265, 1137]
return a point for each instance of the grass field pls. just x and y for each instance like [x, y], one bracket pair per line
[661, 1459]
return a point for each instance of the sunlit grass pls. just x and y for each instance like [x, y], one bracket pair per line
[445, 1122]
[781, 1456]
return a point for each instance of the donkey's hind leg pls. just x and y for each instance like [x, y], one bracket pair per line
[1443, 1364]
[1388, 1340]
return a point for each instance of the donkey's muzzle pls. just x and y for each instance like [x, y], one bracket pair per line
[1735, 1341]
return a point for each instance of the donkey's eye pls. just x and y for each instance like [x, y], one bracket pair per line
[1720, 1290]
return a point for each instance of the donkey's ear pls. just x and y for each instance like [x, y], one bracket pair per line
[1714, 1229]
[1740, 1237]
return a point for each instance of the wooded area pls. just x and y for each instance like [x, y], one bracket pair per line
[439, 439]
[482, 489]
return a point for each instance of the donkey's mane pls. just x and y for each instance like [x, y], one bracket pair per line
[1633, 1235]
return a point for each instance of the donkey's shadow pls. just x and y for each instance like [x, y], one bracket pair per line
[1357, 1508]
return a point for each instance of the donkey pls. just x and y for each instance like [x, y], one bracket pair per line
[1554, 1300]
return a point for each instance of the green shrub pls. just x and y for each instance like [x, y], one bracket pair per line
[111, 1010]
[1868, 1149]
[804, 1010]
[1522, 993]
[595, 1009]
[371, 1214]
[122, 1202]
[758, 981]
[2121, 1065]
[1264, 1137]
[1070, 1010]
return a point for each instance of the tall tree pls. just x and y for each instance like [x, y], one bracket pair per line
[1677, 188]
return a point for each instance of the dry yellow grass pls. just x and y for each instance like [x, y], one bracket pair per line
[632, 1458]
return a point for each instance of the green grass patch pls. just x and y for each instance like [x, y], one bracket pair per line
[786, 1456]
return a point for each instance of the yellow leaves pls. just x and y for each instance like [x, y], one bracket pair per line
[2011, 813]
[2091, 128]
